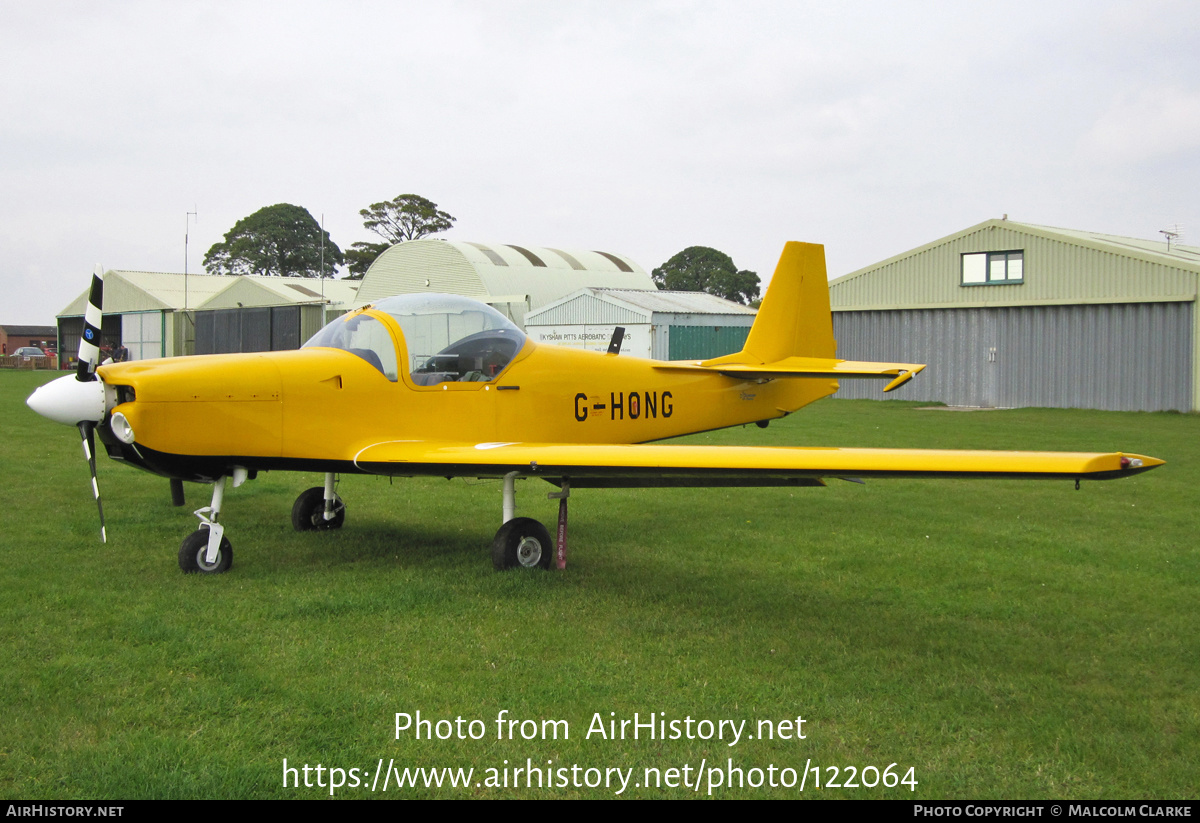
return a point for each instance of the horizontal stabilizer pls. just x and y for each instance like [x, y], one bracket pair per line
[826, 367]
[900, 373]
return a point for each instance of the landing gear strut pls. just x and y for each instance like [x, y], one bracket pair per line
[207, 550]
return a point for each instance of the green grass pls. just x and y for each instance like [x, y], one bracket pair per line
[1005, 639]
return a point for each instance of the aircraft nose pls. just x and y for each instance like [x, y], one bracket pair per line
[69, 401]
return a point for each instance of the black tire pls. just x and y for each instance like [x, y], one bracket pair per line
[522, 543]
[194, 549]
[308, 512]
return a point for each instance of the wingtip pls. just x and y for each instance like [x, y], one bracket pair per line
[1140, 461]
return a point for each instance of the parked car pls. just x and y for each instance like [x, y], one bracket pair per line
[26, 352]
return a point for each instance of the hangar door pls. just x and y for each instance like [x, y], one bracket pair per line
[1119, 356]
[274, 328]
[70, 329]
[704, 342]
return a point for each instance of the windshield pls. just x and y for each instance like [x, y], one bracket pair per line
[453, 339]
[362, 335]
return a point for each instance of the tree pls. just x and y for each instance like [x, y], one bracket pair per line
[360, 256]
[407, 217]
[699, 268]
[282, 240]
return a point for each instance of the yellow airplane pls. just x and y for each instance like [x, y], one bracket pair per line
[434, 384]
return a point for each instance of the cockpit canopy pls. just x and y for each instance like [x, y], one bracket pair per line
[450, 339]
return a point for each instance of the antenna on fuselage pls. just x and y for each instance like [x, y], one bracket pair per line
[614, 345]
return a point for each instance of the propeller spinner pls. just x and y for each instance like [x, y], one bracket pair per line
[80, 400]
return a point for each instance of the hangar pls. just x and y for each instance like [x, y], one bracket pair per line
[1011, 314]
[164, 314]
[269, 313]
[664, 325]
[514, 279]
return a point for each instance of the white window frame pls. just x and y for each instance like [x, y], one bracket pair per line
[992, 268]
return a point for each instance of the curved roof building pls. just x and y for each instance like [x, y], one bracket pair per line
[515, 279]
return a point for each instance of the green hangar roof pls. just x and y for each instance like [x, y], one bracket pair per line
[1004, 263]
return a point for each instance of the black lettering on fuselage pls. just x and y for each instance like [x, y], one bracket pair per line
[638, 404]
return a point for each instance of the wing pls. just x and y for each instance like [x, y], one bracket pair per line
[661, 465]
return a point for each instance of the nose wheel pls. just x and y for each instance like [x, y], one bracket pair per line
[208, 550]
[193, 554]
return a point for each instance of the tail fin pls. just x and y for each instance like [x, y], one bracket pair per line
[794, 319]
[792, 335]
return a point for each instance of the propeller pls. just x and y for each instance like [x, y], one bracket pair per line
[87, 432]
[80, 400]
[89, 341]
[89, 358]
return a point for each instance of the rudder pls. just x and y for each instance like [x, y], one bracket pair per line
[794, 319]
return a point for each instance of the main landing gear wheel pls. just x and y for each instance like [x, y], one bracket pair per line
[308, 512]
[194, 549]
[522, 542]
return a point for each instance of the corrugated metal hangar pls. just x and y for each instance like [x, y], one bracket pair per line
[164, 314]
[514, 279]
[664, 325]
[269, 313]
[161, 314]
[1010, 314]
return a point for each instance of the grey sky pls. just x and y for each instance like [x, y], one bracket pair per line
[640, 128]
